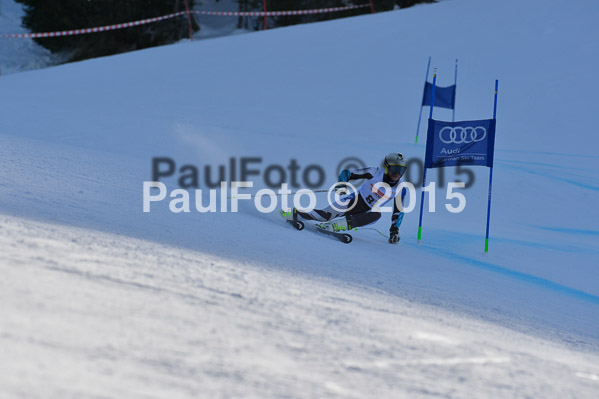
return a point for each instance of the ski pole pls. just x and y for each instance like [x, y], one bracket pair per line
[372, 228]
[314, 191]
[292, 193]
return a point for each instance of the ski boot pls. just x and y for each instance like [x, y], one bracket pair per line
[288, 214]
[335, 226]
[290, 217]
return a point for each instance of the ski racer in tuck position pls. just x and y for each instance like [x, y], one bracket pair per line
[356, 209]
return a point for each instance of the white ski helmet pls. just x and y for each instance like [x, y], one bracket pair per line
[395, 163]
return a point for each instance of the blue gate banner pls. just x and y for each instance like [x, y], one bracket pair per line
[444, 96]
[460, 143]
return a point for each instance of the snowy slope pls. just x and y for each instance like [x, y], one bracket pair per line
[19, 54]
[212, 26]
[99, 315]
[218, 304]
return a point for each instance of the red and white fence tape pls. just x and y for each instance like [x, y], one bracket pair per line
[169, 16]
[92, 30]
[278, 13]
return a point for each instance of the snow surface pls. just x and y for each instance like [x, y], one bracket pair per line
[212, 26]
[18, 55]
[99, 299]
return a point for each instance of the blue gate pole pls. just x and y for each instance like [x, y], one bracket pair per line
[421, 106]
[491, 176]
[455, 88]
[424, 174]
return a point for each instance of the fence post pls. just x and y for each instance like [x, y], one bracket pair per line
[189, 20]
[265, 17]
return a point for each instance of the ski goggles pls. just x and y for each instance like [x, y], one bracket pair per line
[394, 169]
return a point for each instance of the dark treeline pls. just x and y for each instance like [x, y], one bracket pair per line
[59, 15]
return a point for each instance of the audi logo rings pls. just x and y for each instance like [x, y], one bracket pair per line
[462, 135]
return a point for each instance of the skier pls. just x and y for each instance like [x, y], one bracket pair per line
[356, 210]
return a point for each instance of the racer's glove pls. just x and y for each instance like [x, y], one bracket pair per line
[344, 175]
[393, 234]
